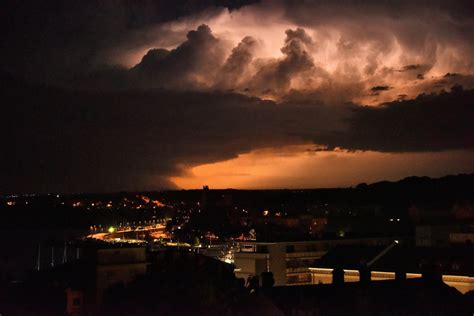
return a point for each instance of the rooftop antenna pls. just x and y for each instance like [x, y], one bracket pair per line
[383, 252]
[52, 256]
[65, 253]
[38, 262]
[364, 271]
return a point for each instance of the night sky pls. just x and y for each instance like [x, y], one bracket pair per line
[101, 96]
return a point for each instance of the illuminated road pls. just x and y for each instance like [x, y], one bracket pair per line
[155, 231]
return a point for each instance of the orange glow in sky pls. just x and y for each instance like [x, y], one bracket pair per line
[298, 167]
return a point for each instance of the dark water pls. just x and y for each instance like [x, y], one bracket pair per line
[19, 250]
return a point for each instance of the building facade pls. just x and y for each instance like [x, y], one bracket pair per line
[289, 261]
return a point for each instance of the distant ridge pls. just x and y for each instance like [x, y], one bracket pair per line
[463, 178]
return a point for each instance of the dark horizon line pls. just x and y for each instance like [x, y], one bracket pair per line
[231, 189]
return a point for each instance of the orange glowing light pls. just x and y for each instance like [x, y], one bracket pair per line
[296, 167]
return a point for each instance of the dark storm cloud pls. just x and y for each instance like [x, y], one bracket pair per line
[379, 88]
[109, 127]
[450, 75]
[420, 27]
[275, 76]
[432, 122]
[59, 42]
[376, 90]
[201, 54]
[461, 9]
[236, 66]
[409, 68]
[50, 40]
[201, 63]
[54, 140]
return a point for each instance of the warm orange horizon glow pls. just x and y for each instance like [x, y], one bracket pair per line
[298, 167]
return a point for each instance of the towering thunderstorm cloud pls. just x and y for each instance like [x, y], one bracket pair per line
[130, 94]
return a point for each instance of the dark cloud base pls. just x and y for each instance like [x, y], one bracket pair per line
[70, 141]
[433, 122]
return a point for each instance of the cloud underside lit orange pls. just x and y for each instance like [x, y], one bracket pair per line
[360, 59]
[300, 167]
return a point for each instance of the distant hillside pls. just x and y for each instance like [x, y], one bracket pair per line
[429, 190]
[449, 180]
